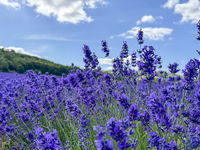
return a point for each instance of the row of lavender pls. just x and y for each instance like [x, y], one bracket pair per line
[78, 112]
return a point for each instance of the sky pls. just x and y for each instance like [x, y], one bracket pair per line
[57, 29]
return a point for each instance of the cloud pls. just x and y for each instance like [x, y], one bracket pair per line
[69, 11]
[18, 50]
[105, 61]
[149, 19]
[183, 61]
[170, 3]
[151, 33]
[189, 10]
[159, 17]
[14, 5]
[108, 61]
[111, 68]
[48, 37]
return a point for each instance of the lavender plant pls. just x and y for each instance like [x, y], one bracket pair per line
[84, 112]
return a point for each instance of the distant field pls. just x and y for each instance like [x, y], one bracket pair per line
[13, 75]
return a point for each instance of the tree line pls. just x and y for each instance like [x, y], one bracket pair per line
[11, 61]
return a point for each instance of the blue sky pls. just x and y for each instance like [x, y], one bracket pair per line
[57, 30]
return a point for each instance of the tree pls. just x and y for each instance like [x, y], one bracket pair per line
[20, 69]
[8, 56]
[30, 65]
[4, 66]
[24, 64]
[12, 65]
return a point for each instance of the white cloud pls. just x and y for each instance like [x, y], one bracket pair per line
[10, 4]
[105, 61]
[159, 17]
[91, 3]
[170, 3]
[111, 37]
[18, 50]
[108, 61]
[151, 33]
[189, 10]
[183, 61]
[48, 37]
[69, 11]
[149, 19]
[111, 68]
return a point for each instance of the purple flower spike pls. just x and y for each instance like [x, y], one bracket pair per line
[133, 113]
[104, 49]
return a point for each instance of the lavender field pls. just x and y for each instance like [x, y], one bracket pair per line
[77, 112]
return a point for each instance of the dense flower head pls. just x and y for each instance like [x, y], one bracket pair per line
[87, 52]
[95, 61]
[30, 136]
[140, 37]
[84, 121]
[105, 49]
[113, 129]
[148, 63]
[100, 143]
[83, 134]
[160, 143]
[173, 68]
[145, 118]
[133, 59]
[133, 113]
[195, 116]
[89, 58]
[189, 73]
[198, 26]
[47, 140]
[123, 99]
[124, 52]
[116, 132]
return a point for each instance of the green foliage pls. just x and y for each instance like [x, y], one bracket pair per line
[10, 60]
[8, 56]
[12, 66]
[20, 69]
[4, 66]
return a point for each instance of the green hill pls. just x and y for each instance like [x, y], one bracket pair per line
[10, 61]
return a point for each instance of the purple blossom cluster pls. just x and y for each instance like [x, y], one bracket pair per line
[78, 111]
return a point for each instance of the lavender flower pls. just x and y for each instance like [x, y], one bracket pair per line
[100, 143]
[133, 113]
[104, 49]
[173, 68]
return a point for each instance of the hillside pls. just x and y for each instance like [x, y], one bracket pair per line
[10, 61]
